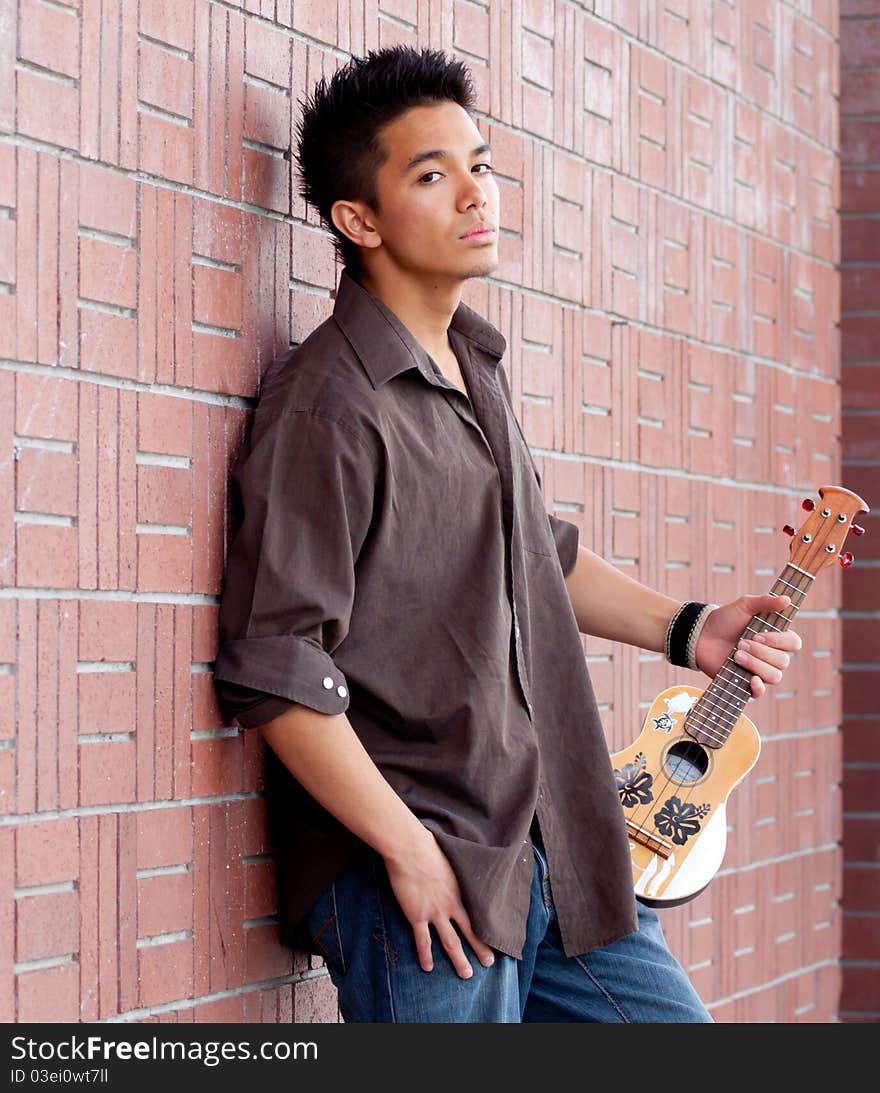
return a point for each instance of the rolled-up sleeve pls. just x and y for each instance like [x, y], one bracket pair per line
[566, 536]
[305, 486]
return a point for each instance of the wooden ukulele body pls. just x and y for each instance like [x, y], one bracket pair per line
[674, 795]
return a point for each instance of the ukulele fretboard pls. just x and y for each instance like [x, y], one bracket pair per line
[715, 713]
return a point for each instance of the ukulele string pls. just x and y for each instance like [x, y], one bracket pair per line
[694, 749]
[803, 580]
[693, 786]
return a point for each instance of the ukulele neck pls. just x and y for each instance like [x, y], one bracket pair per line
[713, 716]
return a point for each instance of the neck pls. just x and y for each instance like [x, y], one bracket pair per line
[424, 304]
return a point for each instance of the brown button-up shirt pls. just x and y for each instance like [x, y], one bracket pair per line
[395, 560]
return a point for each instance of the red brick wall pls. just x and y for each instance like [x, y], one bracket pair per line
[860, 350]
[669, 290]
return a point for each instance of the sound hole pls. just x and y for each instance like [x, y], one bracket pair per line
[686, 761]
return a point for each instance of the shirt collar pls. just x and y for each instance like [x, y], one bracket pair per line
[386, 347]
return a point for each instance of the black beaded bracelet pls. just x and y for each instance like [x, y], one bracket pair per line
[679, 630]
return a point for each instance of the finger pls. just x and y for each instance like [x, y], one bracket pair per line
[778, 658]
[786, 639]
[758, 686]
[451, 942]
[789, 640]
[761, 668]
[423, 946]
[484, 953]
[768, 601]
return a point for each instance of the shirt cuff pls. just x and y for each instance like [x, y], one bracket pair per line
[284, 665]
[567, 537]
[249, 707]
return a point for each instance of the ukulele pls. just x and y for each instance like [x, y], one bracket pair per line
[696, 745]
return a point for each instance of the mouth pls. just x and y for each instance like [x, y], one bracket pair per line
[481, 233]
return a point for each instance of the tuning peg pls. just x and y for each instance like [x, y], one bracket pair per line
[846, 559]
[857, 529]
[808, 503]
[788, 529]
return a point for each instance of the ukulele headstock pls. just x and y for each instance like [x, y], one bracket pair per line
[819, 540]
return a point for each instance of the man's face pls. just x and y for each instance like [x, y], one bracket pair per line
[429, 205]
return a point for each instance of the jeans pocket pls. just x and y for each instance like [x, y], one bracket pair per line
[323, 926]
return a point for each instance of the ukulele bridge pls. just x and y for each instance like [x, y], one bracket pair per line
[653, 842]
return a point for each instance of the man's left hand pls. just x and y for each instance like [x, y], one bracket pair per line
[765, 655]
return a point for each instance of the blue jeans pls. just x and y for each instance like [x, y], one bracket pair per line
[369, 949]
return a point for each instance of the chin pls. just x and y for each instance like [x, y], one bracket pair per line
[483, 265]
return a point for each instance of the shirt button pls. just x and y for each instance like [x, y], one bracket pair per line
[341, 691]
[328, 682]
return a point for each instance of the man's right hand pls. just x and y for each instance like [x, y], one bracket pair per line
[428, 893]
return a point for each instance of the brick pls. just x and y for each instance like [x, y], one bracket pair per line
[108, 343]
[164, 495]
[166, 148]
[267, 53]
[164, 837]
[163, 729]
[164, 563]
[861, 740]
[261, 891]
[166, 80]
[46, 556]
[49, 37]
[107, 702]
[218, 229]
[177, 771]
[49, 995]
[45, 407]
[205, 633]
[46, 482]
[46, 852]
[47, 110]
[108, 200]
[164, 424]
[164, 904]
[861, 991]
[171, 25]
[107, 630]
[265, 957]
[165, 972]
[315, 1001]
[108, 272]
[46, 925]
[860, 938]
[861, 888]
[107, 772]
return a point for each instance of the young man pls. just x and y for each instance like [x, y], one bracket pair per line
[401, 616]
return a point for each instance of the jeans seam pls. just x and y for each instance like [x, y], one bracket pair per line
[376, 878]
[336, 925]
[602, 990]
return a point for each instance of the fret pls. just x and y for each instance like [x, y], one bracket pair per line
[791, 565]
[793, 587]
[785, 617]
[701, 732]
[714, 727]
[719, 731]
[736, 681]
[733, 705]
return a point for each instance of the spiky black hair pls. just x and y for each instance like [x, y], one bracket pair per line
[339, 150]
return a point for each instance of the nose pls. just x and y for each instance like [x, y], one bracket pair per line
[472, 193]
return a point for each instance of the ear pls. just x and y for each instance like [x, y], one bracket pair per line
[355, 219]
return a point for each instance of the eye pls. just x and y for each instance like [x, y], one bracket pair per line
[488, 167]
